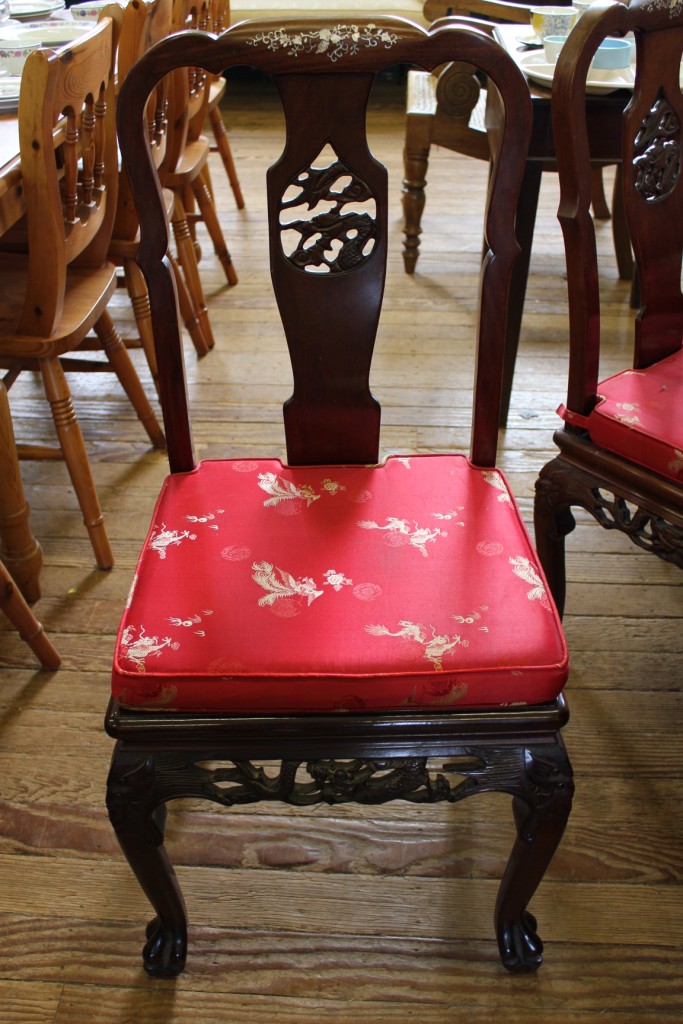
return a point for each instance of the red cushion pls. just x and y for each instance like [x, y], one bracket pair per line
[267, 588]
[638, 416]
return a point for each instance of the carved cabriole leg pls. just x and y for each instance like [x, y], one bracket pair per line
[538, 776]
[541, 810]
[553, 521]
[135, 802]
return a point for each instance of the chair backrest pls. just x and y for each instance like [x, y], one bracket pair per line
[188, 90]
[327, 210]
[653, 191]
[142, 25]
[69, 167]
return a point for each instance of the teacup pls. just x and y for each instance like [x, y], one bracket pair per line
[552, 21]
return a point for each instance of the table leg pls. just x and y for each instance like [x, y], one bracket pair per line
[19, 549]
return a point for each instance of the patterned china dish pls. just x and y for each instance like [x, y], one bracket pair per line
[34, 10]
[9, 94]
[44, 33]
[552, 21]
[13, 54]
[91, 11]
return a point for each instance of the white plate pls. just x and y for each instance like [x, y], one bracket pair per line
[34, 10]
[10, 87]
[46, 33]
[599, 83]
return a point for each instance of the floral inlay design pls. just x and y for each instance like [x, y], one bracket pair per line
[657, 152]
[336, 42]
[328, 217]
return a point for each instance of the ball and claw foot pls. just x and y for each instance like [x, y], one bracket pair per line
[165, 951]
[521, 948]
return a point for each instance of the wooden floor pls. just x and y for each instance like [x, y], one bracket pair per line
[345, 914]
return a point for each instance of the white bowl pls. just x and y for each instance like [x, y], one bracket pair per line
[552, 46]
[13, 54]
[613, 54]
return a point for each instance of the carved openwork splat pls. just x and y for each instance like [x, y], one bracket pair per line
[657, 152]
[328, 218]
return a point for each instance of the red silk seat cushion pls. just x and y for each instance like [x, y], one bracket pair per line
[638, 416]
[267, 588]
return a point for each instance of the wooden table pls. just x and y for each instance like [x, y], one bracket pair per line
[603, 115]
[18, 547]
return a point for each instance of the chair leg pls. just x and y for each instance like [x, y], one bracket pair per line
[598, 200]
[120, 360]
[188, 261]
[223, 146]
[139, 297]
[208, 211]
[76, 458]
[541, 808]
[20, 615]
[187, 311]
[138, 814]
[415, 162]
[553, 521]
[18, 546]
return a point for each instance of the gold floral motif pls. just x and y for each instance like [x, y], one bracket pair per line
[435, 647]
[676, 464]
[400, 531]
[284, 490]
[337, 42]
[280, 583]
[526, 571]
[166, 538]
[138, 649]
[493, 477]
[336, 580]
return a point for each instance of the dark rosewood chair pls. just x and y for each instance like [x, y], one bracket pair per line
[621, 447]
[379, 629]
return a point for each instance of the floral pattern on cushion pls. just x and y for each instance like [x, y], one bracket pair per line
[637, 416]
[261, 588]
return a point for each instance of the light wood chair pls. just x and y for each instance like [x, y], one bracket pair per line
[220, 20]
[141, 25]
[58, 290]
[621, 448]
[12, 602]
[185, 167]
[379, 629]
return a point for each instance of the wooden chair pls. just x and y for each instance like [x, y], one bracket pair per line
[380, 629]
[448, 109]
[141, 25]
[12, 602]
[51, 304]
[620, 447]
[220, 20]
[185, 167]
[19, 549]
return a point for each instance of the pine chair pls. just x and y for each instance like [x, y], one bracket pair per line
[381, 629]
[19, 549]
[621, 445]
[50, 305]
[185, 168]
[141, 25]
